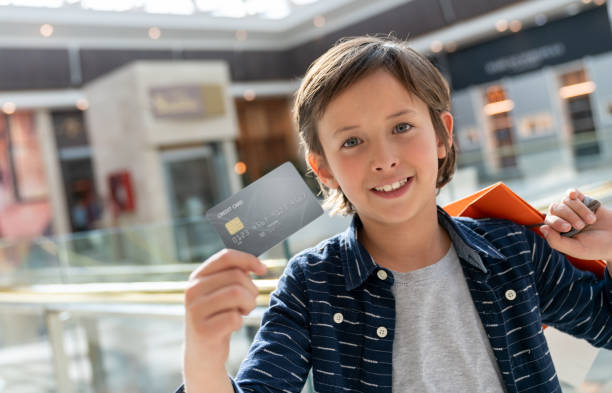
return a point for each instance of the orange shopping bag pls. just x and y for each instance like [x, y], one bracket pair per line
[499, 201]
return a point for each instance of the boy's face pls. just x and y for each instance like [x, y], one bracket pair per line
[381, 149]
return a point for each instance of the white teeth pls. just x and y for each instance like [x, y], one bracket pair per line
[391, 187]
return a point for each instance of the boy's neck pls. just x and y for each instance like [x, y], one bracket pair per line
[407, 246]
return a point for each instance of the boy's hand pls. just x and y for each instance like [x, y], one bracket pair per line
[594, 242]
[220, 292]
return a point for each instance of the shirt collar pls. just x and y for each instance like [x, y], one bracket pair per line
[358, 264]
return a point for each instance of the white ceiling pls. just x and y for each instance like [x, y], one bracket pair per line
[283, 22]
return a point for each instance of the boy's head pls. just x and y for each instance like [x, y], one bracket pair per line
[345, 65]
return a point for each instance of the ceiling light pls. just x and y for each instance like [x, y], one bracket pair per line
[241, 35]
[541, 19]
[516, 26]
[577, 89]
[501, 25]
[46, 30]
[154, 33]
[249, 95]
[450, 47]
[319, 21]
[9, 108]
[240, 168]
[436, 46]
[82, 104]
[498, 107]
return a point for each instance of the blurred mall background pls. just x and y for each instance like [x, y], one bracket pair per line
[123, 121]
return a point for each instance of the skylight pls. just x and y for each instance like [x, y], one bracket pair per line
[267, 9]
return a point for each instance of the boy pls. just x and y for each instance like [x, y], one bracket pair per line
[407, 299]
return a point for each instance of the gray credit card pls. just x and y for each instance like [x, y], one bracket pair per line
[265, 212]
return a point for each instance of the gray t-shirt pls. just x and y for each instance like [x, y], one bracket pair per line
[440, 344]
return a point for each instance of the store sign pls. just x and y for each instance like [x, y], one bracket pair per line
[556, 42]
[527, 60]
[186, 102]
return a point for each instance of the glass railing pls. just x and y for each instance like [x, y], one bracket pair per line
[161, 252]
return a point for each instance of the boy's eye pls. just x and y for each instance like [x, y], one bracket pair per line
[402, 127]
[350, 142]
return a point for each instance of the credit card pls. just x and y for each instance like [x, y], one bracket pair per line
[265, 212]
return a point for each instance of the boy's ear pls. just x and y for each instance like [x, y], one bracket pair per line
[447, 120]
[319, 167]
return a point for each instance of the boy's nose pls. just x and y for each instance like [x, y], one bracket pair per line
[387, 165]
[384, 159]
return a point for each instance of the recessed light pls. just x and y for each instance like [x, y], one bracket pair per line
[82, 104]
[436, 46]
[249, 95]
[154, 33]
[9, 108]
[516, 26]
[541, 19]
[501, 25]
[241, 35]
[319, 21]
[46, 30]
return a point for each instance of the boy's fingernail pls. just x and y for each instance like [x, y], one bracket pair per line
[544, 231]
[591, 217]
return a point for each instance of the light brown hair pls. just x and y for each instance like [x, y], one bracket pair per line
[350, 60]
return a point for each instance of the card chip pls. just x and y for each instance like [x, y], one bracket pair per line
[234, 225]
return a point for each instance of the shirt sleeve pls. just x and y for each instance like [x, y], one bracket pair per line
[572, 300]
[280, 356]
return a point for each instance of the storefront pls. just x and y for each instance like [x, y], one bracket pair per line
[162, 137]
[538, 100]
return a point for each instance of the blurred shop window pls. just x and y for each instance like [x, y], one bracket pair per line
[266, 135]
[498, 109]
[535, 125]
[24, 207]
[74, 154]
[575, 91]
[196, 178]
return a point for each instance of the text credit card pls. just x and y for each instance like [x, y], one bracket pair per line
[265, 212]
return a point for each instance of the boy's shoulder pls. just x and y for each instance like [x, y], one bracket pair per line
[325, 249]
[485, 225]
[498, 232]
[325, 255]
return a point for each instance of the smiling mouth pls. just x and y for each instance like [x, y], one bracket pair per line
[393, 186]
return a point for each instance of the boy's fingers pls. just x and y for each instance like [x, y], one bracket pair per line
[203, 285]
[575, 194]
[562, 217]
[227, 259]
[555, 240]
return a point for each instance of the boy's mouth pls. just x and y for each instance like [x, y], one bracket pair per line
[391, 187]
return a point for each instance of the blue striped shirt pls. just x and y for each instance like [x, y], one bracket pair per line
[517, 283]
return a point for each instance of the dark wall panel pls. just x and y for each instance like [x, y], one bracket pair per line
[22, 68]
[465, 9]
[97, 62]
[250, 65]
[49, 68]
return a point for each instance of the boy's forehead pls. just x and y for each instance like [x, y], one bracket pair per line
[379, 99]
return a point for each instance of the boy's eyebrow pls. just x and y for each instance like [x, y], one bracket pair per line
[346, 128]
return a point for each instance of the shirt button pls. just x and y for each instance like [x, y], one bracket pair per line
[382, 274]
[510, 294]
[338, 317]
[381, 332]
